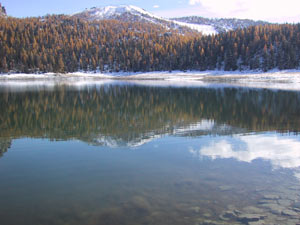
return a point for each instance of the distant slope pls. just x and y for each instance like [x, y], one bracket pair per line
[129, 13]
[126, 12]
[220, 25]
[202, 28]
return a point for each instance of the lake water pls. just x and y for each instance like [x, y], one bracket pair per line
[120, 153]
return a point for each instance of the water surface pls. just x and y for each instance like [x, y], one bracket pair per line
[132, 154]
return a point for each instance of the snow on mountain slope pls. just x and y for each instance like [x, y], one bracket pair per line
[142, 11]
[204, 29]
[131, 13]
[128, 12]
[220, 25]
[111, 11]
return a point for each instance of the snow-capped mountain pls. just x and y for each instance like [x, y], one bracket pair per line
[128, 12]
[131, 13]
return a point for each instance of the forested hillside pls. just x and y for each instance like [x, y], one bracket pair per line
[66, 44]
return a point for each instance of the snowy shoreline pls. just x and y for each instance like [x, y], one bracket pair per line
[281, 80]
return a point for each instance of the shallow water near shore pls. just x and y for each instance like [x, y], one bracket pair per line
[119, 153]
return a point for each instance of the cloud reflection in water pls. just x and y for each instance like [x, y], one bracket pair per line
[281, 150]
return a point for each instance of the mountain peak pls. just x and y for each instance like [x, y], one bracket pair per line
[113, 12]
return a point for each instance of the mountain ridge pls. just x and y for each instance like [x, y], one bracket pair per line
[221, 24]
[130, 13]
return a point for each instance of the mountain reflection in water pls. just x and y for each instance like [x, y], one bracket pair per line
[129, 114]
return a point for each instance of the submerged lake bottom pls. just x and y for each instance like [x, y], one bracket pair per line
[134, 154]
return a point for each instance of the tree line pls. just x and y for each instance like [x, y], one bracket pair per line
[63, 44]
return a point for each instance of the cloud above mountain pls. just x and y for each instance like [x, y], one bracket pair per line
[272, 10]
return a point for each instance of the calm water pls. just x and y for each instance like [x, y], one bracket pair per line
[117, 154]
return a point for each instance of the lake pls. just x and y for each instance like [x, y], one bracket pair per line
[121, 153]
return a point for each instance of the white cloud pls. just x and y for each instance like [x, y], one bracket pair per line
[224, 7]
[271, 10]
[194, 2]
[156, 6]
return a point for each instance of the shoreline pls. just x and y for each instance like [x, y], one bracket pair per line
[278, 80]
[162, 75]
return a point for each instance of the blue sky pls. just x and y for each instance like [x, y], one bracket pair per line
[270, 10]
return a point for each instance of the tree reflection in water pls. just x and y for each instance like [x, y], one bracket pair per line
[129, 114]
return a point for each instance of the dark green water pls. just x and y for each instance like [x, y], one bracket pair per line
[117, 154]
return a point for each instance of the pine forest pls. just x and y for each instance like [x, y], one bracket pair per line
[61, 44]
